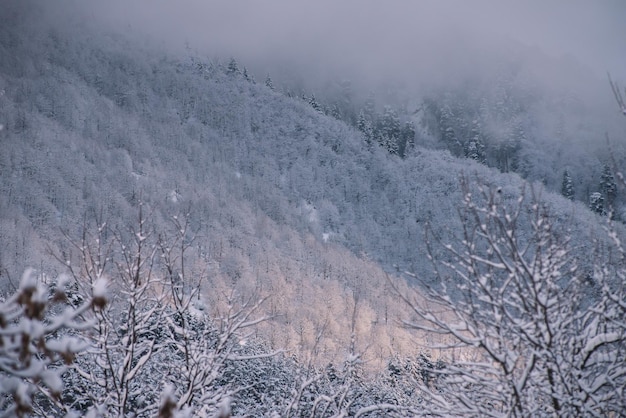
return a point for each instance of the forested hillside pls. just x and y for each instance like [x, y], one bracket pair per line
[195, 191]
[548, 120]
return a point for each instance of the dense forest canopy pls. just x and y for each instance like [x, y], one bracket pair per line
[239, 239]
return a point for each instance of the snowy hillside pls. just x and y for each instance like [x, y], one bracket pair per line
[283, 202]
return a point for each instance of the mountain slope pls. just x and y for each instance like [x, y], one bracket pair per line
[285, 201]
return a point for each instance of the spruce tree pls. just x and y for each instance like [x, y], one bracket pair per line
[407, 138]
[608, 187]
[476, 147]
[233, 67]
[447, 127]
[364, 125]
[567, 187]
[596, 203]
[247, 76]
[390, 130]
[314, 104]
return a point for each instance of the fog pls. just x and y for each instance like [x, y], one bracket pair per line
[375, 39]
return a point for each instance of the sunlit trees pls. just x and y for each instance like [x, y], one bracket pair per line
[156, 331]
[112, 372]
[534, 334]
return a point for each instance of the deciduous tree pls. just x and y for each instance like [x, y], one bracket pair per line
[537, 336]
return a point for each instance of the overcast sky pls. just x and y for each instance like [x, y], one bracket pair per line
[593, 31]
[409, 39]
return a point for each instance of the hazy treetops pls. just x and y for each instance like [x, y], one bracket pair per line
[204, 192]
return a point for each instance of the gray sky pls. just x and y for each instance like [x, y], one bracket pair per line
[408, 39]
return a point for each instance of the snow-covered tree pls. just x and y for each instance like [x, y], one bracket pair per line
[532, 334]
[365, 126]
[314, 103]
[388, 130]
[156, 332]
[233, 67]
[596, 203]
[567, 186]
[476, 146]
[247, 76]
[407, 138]
[608, 186]
[338, 393]
[126, 334]
[269, 83]
[39, 338]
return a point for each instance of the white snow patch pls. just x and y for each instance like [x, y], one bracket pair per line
[53, 381]
[100, 288]
[310, 212]
[174, 196]
[29, 279]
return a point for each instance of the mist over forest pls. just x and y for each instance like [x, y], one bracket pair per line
[357, 208]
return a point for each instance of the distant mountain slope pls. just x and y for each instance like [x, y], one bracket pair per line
[285, 199]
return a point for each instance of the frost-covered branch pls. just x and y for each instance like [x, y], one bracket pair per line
[532, 340]
[36, 344]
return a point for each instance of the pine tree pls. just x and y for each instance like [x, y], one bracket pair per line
[268, 82]
[472, 151]
[391, 144]
[389, 130]
[407, 138]
[233, 67]
[476, 147]
[608, 187]
[567, 187]
[596, 203]
[364, 125]
[247, 76]
[448, 130]
[507, 151]
[314, 104]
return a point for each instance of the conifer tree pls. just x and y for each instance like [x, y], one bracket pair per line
[389, 130]
[448, 131]
[314, 104]
[476, 147]
[391, 144]
[567, 187]
[407, 137]
[596, 203]
[364, 125]
[233, 67]
[247, 76]
[608, 187]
